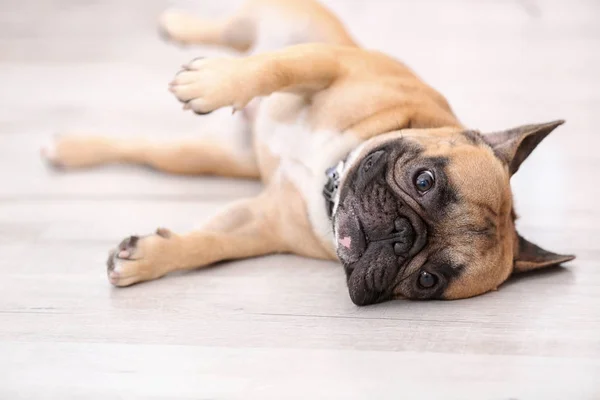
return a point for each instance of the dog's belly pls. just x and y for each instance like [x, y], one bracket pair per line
[287, 148]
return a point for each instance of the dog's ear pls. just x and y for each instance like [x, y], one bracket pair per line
[515, 145]
[532, 257]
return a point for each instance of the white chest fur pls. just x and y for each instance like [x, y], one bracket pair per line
[304, 155]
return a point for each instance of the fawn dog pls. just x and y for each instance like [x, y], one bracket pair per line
[361, 162]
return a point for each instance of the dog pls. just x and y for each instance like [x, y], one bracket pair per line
[361, 161]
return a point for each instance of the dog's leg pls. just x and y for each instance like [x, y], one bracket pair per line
[223, 147]
[206, 85]
[242, 231]
[236, 32]
[260, 25]
[248, 228]
[186, 157]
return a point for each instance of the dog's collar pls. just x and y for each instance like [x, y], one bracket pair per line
[331, 186]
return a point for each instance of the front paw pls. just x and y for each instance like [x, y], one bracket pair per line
[205, 85]
[137, 259]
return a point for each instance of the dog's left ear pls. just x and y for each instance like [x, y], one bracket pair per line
[532, 257]
[515, 145]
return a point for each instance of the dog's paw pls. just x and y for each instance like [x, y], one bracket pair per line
[205, 85]
[49, 153]
[74, 151]
[138, 259]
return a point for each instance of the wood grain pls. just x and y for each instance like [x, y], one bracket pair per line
[281, 326]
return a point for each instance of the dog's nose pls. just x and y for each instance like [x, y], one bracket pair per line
[404, 237]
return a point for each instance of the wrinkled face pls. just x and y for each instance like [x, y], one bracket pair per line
[424, 214]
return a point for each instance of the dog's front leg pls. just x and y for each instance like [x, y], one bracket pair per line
[246, 229]
[205, 85]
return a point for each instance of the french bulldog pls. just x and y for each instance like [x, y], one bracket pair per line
[361, 161]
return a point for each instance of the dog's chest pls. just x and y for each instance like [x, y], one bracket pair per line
[299, 153]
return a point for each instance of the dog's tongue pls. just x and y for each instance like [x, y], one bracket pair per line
[351, 241]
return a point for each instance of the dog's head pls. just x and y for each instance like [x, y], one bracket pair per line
[428, 214]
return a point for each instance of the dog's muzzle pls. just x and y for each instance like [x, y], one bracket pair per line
[377, 233]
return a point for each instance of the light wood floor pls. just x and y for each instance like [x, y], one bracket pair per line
[283, 327]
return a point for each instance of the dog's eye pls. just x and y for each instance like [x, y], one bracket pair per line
[424, 181]
[427, 280]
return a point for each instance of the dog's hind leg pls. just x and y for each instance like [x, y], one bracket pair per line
[248, 228]
[223, 147]
[183, 157]
[236, 32]
[259, 25]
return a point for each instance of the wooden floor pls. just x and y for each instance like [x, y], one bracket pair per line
[283, 327]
